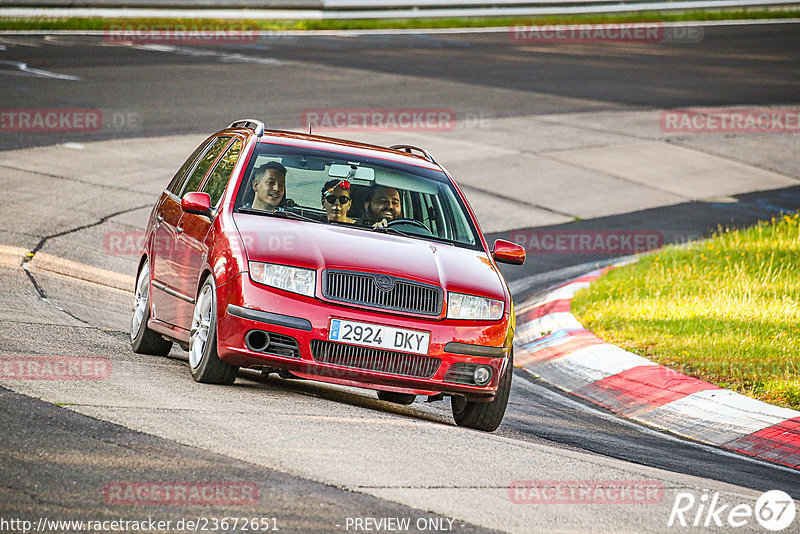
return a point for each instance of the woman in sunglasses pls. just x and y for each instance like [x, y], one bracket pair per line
[336, 200]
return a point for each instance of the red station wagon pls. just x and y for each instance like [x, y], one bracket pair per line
[329, 260]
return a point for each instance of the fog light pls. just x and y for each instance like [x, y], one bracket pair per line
[482, 375]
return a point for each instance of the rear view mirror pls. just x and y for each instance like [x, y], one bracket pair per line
[197, 203]
[351, 172]
[508, 252]
[303, 162]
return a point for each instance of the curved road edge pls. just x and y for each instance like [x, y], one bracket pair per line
[553, 345]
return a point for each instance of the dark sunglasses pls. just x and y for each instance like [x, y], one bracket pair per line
[331, 199]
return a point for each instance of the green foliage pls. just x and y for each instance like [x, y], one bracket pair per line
[726, 310]
[79, 23]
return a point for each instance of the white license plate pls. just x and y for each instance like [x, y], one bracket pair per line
[379, 336]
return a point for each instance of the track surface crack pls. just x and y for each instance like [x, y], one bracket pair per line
[32, 254]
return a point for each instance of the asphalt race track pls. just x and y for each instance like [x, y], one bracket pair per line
[321, 456]
[175, 89]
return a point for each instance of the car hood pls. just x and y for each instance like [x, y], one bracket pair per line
[322, 246]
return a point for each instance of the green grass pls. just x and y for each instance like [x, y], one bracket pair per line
[75, 23]
[726, 310]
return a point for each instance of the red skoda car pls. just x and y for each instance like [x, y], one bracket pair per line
[328, 260]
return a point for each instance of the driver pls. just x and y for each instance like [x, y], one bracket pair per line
[269, 185]
[382, 206]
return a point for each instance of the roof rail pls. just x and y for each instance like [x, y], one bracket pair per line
[410, 150]
[253, 124]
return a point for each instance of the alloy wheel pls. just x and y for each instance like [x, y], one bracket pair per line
[201, 325]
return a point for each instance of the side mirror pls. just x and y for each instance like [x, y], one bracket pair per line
[197, 203]
[508, 252]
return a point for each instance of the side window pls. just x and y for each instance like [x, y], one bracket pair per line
[219, 177]
[204, 164]
[431, 215]
[179, 178]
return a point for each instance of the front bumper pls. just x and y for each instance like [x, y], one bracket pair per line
[244, 307]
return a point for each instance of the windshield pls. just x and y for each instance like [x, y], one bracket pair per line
[372, 194]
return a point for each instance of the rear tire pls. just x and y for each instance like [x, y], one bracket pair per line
[144, 340]
[485, 416]
[204, 361]
[397, 398]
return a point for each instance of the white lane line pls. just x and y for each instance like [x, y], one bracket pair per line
[73, 146]
[221, 56]
[22, 69]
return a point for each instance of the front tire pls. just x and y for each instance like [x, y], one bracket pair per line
[485, 416]
[144, 340]
[204, 361]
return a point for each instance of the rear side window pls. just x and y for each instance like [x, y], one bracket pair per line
[180, 177]
[204, 164]
[219, 177]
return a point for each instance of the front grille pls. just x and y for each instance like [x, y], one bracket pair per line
[382, 291]
[369, 359]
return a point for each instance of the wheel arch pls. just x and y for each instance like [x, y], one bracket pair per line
[145, 258]
[204, 274]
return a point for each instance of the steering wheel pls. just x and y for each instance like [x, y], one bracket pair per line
[410, 222]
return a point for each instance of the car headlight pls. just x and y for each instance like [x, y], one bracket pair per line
[294, 279]
[461, 306]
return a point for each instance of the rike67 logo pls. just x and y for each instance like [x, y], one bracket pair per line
[774, 510]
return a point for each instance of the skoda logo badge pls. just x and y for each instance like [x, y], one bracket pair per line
[384, 282]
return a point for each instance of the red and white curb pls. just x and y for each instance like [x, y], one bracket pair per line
[551, 344]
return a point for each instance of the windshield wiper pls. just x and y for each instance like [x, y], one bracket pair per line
[390, 230]
[439, 239]
[395, 231]
[279, 212]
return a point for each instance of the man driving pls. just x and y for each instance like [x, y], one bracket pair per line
[269, 185]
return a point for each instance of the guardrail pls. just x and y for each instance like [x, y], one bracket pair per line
[352, 9]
